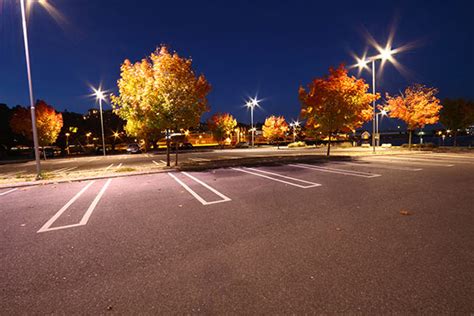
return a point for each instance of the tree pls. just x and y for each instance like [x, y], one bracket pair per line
[48, 123]
[457, 114]
[418, 107]
[221, 125]
[336, 103]
[275, 128]
[161, 92]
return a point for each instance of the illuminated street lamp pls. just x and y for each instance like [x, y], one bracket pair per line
[251, 104]
[88, 135]
[384, 55]
[30, 86]
[100, 96]
[67, 142]
[294, 125]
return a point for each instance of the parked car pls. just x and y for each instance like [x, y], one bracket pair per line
[133, 148]
[185, 146]
[99, 150]
[242, 145]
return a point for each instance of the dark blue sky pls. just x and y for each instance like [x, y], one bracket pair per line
[242, 47]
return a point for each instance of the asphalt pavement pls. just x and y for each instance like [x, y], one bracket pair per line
[372, 235]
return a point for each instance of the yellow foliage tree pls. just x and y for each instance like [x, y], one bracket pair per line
[418, 107]
[221, 125]
[275, 128]
[336, 103]
[161, 92]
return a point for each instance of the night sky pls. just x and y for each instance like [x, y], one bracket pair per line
[242, 47]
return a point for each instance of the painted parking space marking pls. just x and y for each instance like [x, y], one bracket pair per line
[199, 159]
[162, 161]
[276, 177]
[110, 166]
[7, 192]
[227, 157]
[158, 164]
[337, 171]
[85, 218]
[118, 167]
[408, 161]
[449, 159]
[197, 196]
[377, 166]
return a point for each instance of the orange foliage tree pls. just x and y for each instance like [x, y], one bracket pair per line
[221, 125]
[160, 92]
[417, 107]
[48, 123]
[336, 103]
[275, 128]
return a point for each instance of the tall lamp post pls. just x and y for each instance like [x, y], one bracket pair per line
[294, 126]
[30, 86]
[384, 55]
[99, 95]
[251, 104]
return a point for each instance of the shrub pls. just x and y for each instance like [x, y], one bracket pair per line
[297, 144]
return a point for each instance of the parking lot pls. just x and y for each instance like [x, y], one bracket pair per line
[373, 235]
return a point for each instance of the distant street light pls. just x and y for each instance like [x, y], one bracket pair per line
[251, 104]
[67, 142]
[87, 136]
[294, 125]
[30, 86]
[100, 96]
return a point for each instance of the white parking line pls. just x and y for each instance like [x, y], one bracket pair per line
[449, 159]
[199, 159]
[9, 191]
[94, 203]
[311, 184]
[156, 163]
[118, 167]
[377, 166]
[227, 157]
[338, 171]
[197, 196]
[461, 156]
[163, 161]
[407, 161]
[110, 166]
[85, 218]
[63, 209]
[58, 170]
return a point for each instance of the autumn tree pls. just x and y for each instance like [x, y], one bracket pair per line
[161, 92]
[221, 125]
[417, 107]
[48, 123]
[336, 103]
[457, 114]
[275, 128]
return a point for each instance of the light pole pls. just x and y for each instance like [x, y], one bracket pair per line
[377, 119]
[30, 86]
[384, 55]
[67, 143]
[294, 125]
[252, 103]
[99, 95]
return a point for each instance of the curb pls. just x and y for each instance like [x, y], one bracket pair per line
[214, 164]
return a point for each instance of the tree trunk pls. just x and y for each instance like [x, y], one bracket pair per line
[409, 139]
[455, 138]
[278, 144]
[329, 145]
[44, 153]
[176, 159]
[168, 147]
